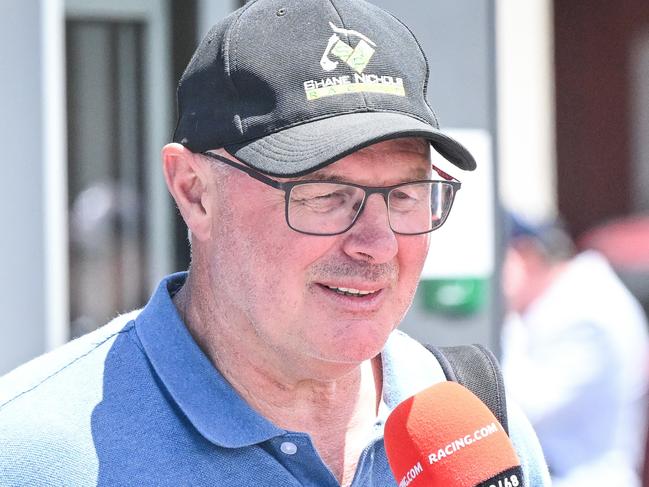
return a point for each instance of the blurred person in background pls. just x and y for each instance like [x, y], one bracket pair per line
[575, 351]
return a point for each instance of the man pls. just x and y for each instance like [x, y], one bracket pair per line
[302, 167]
[575, 357]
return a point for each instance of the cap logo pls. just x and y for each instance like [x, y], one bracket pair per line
[357, 58]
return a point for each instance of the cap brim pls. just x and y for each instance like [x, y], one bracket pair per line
[305, 148]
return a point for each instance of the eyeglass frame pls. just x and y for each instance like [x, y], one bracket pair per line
[287, 186]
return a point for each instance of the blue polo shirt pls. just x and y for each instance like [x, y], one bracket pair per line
[138, 403]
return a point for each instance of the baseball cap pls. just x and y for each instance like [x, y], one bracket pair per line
[290, 86]
[550, 234]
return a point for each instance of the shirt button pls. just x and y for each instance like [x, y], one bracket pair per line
[288, 448]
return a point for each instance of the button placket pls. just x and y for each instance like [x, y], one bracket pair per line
[288, 448]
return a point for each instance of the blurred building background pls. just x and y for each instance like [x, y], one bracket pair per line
[552, 97]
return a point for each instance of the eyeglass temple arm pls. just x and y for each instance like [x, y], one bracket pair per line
[276, 184]
[443, 174]
[248, 170]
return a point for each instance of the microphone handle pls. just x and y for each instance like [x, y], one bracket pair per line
[512, 477]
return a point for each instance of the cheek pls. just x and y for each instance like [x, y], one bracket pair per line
[270, 262]
[412, 255]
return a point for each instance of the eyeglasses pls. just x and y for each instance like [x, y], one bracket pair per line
[330, 208]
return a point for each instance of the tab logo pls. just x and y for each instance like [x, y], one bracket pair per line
[357, 58]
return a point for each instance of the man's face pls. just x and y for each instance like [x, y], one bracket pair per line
[285, 287]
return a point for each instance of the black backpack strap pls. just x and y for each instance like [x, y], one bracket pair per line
[477, 369]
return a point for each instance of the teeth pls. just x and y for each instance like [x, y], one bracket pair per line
[350, 292]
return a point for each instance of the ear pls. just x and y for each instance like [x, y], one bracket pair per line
[187, 178]
[531, 255]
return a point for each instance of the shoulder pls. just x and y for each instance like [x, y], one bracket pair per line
[45, 450]
[54, 366]
[591, 286]
[46, 406]
[527, 446]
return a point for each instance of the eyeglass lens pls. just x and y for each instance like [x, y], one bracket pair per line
[330, 208]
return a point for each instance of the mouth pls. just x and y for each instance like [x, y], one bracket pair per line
[347, 291]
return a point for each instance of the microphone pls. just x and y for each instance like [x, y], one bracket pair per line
[446, 436]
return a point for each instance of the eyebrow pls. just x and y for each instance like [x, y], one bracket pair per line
[321, 176]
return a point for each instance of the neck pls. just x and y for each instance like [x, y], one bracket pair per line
[295, 396]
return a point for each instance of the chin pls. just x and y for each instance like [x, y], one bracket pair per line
[362, 344]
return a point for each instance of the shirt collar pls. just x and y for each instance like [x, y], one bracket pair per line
[213, 406]
[198, 388]
[408, 368]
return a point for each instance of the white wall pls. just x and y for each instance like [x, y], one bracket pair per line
[33, 244]
[526, 120]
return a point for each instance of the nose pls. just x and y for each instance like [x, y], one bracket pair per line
[371, 238]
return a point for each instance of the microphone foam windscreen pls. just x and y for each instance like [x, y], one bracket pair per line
[446, 436]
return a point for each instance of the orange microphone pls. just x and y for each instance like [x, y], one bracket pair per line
[445, 436]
